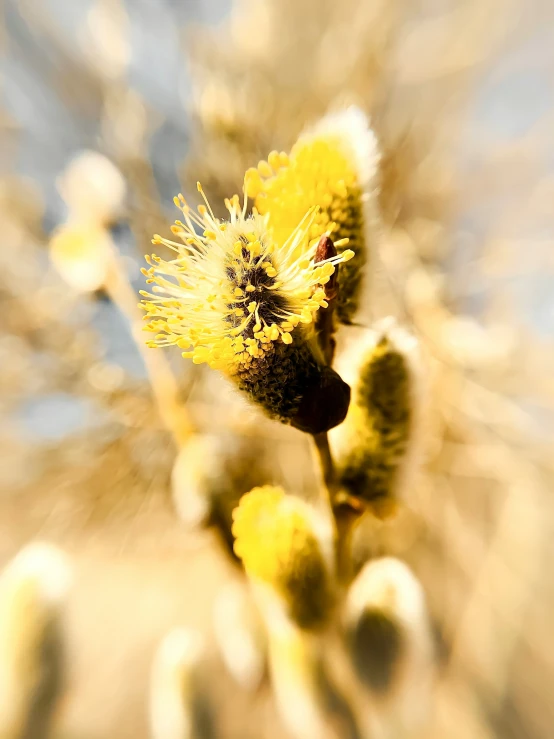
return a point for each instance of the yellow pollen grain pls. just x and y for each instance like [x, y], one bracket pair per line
[252, 182]
[274, 160]
[264, 169]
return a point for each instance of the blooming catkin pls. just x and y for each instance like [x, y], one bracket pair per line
[277, 538]
[239, 301]
[374, 444]
[333, 166]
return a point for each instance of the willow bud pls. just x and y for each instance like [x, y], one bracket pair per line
[376, 445]
[33, 588]
[389, 640]
[284, 545]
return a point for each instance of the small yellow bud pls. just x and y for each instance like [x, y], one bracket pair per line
[33, 591]
[276, 538]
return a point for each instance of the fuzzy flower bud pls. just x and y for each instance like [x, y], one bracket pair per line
[33, 588]
[235, 299]
[93, 189]
[375, 445]
[390, 644]
[332, 166]
[196, 473]
[209, 476]
[177, 709]
[282, 544]
[81, 254]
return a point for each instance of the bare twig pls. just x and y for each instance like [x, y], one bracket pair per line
[162, 380]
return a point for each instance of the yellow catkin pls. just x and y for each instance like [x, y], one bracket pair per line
[332, 167]
[232, 298]
[376, 441]
[275, 539]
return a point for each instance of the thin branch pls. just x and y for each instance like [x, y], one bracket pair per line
[162, 380]
[346, 510]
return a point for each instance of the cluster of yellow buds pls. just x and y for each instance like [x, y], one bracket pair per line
[243, 295]
[255, 297]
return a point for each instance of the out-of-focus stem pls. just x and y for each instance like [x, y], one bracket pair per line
[346, 512]
[327, 465]
[162, 379]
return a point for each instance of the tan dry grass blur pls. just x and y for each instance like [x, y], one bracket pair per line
[465, 258]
